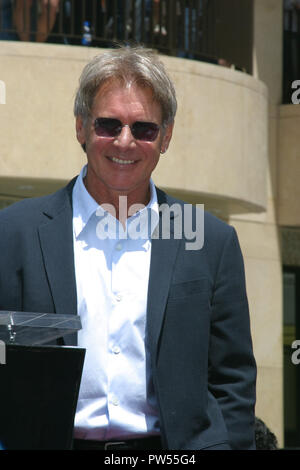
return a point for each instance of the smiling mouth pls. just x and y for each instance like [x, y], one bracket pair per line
[121, 162]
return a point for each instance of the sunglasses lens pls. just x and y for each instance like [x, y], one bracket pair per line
[147, 131]
[107, 127]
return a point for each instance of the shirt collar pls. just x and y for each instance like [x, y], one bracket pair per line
[84, 205]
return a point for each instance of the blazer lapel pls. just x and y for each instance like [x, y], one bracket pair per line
[163, 256]
[56, 239]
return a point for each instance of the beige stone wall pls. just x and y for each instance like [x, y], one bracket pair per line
[36, 123]
[289, 165]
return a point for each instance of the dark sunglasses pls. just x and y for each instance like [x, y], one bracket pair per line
[110, 127]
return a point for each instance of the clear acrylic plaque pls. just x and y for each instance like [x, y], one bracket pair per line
[36, 328]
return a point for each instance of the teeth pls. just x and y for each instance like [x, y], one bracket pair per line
[123, 162]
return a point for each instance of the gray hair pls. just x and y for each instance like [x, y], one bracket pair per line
[127, 64]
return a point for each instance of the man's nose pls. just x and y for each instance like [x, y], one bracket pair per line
[125, 138]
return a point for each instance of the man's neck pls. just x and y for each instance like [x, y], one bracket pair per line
[120, 204]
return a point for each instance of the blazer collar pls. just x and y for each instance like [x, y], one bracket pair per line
[56, 241]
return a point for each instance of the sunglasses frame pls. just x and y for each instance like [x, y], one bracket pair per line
[155, 128]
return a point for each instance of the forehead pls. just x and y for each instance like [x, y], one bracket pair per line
[116, 96]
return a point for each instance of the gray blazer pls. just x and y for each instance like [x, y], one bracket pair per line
[198, 331]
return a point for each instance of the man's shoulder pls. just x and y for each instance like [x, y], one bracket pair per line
[29, 209]
[211, 222]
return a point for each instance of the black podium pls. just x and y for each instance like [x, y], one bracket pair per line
[39, 384]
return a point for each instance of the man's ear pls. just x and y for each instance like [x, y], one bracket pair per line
[80, 130]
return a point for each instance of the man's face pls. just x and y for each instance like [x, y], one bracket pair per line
[122, 165]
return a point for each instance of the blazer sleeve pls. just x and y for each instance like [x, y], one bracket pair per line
[232, 368]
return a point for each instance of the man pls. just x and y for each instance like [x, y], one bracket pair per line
[169, 362]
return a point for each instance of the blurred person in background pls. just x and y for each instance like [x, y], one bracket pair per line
[39, 15]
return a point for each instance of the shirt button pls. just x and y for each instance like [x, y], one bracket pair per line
[119, 246]
[118, 297]
[116, 350]
[115, 401]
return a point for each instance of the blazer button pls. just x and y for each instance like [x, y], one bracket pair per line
[116, 350]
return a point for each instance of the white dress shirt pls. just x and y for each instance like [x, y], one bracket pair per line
[116, 398]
